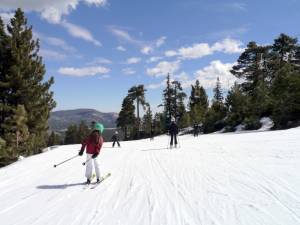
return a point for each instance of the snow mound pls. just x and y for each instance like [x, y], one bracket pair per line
[239, 128]
[267, 124]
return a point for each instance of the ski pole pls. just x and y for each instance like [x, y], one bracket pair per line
[178, 141]
[55, 165]
[86, 161]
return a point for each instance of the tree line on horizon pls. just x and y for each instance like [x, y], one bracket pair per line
[269, 86]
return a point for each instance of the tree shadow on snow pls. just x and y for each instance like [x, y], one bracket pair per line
[60, 186]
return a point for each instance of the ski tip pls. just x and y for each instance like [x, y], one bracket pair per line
[54, 166]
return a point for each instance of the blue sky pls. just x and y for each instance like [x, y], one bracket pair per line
[97, 49]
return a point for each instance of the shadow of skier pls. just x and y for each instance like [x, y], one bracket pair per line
[60, 186]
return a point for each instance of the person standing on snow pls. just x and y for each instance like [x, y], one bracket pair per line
[173, 131]
[93, 144]
[115, 139]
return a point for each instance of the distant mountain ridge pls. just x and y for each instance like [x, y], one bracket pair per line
[60, 120]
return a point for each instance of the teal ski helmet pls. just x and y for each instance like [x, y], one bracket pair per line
[99, 127]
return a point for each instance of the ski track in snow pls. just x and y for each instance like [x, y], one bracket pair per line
[217, 179]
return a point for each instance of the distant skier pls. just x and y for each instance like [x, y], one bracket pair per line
[173, 131]
[152, 131]
[93, 144]
[196, 129]
[115, 138]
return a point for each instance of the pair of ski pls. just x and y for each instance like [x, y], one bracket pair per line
[94, 185]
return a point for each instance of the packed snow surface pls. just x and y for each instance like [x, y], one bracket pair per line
[221, 179]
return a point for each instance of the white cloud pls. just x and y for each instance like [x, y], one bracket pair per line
[163, 68]
[54, 41]
[146, 50]
[96, 2]
[146, 47]
[160, 41]
[208, 75]
[99, 60]
[128, 71]
[121, 48]
[228, 46]
[170, 53]
[133, 60]
[149, 48]
[199, 50]
[80, 32]
[154, 59]
[105, 76]
[184, 79]
[196, 51]
[156, 86]
[6, 16]
[52, 55]
[84, 71]
[123, 35]
[51, 10]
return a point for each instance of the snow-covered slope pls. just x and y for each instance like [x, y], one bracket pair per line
[221, 179]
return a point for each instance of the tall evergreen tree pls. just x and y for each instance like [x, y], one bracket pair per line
[147, 121]
[17, 131]
[198, 103]
[22, 79]
[214, 119]
[54, 139]
[253, 67]
[167, 100]
[126, 119]
[137, 93]
[236, 104]
[71, 135]
[83, 131]
[178, 108]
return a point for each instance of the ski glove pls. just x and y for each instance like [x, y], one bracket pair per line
[95, 155]
[81, 152]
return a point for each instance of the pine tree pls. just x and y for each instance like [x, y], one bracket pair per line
[17, 131]
[23, 82]
[71, 136]
[236, 104]
[198, 103]
[167, 101]
[54, 139]
[82, 132]
[126, 119]
[178, 108]
[147, 121]
[286, 97]
[214, 119]
[137, 93]
[5, 108]
[254, 67]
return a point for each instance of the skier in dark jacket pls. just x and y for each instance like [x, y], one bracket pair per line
[196, 129]
[173, 131]
[115, 139]
[152, 131]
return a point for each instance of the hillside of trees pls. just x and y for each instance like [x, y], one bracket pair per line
[269, 86]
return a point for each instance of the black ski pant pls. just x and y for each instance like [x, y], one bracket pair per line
[117, 143]
[173, 136]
